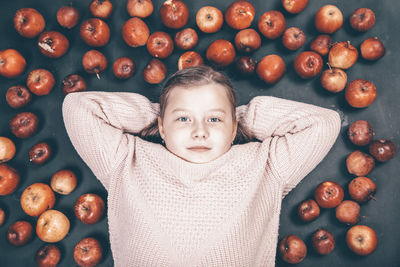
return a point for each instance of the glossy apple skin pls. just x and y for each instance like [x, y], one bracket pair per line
[272, 24]
[323, 242]
[240, 14]
[361, 239]
[360, 93]
[135, 32]
[9, 179]
[101, 8]
[19, 233]
[124, 68]
[334, 80]
[186, 39]
[40, 82]
[361, 133]
[271, 68]
[73, 83]
[48, 255]
[362, 19]
[292, 249]
[63, 182]
[89, 208]
[52, 226]
[94, 62]
[246, 65]
[382, 150]
[342, 55]
[37, 198]
[28, 22]
[328, 19]
[293, 38]
[7, 149]
[359, 163]
[24, 124]
[308, 210]
[155, 71]
[308, 64]
[321, 44]
[139, 8]
[372, 49]
[160, 45]
[189, 59]
[247, 41]
[328, 194]
[209, 19]
[95, 32]
[88, 252]
[68, 16]
[362, 189]
[18, 96]
[40, 153]
[294, 6]
[174, 14]
[348, 212]
[12, 63]
[53, 44]
[220, 53]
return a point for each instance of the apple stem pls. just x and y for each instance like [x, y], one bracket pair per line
[373, 198]
[97, 75]
[329, 65]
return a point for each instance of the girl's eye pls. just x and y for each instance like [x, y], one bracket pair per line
[183, 119]
[214, 120]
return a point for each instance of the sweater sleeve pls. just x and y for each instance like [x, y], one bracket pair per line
[300, 135]
[98, 124]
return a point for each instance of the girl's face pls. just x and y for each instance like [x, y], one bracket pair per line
[198, 124]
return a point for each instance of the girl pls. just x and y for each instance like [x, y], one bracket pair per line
[195, 199]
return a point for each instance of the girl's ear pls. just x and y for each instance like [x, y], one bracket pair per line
[234, 131]
[160, 127]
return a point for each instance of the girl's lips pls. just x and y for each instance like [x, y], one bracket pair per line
[199, 148]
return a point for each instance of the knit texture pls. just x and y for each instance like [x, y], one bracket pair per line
[165, 211]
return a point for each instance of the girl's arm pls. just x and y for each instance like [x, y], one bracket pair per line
[299, 135]
[98, 122]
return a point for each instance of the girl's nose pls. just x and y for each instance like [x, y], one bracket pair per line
[199, 130]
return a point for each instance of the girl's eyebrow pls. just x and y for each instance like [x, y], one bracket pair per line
[212, 110]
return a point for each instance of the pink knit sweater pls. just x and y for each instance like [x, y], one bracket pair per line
[165, 211]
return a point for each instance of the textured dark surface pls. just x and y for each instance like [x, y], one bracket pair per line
[382, 214]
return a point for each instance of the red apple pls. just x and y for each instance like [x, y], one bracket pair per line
[361, 239]
[28, 22]
[328, 19]
[101, 8]
[308, 64]
[382, 150]
[48, 255]
[94, 62]
[135, 32]
[321, 44]
[360, 93]
[89, 208]
[246, 65]
[53, 44]
[333, 79]
[293, 38]
[155, 71]
[186, 39]
[240, 14]
[360, 133]
[272, 24]
[40, 153]
[63, 182]
[294, 6]
[247, 41]
[372, 49]
[24, 124]
[73, 83]
[19, 233]
[124, 68]
[362, 19]
[359, 163]
[12, 63]
[209, 19]
[348, 212]
[174, 14]
[189, 59]
[9, 179]
[52, 226]
[88, 252]
[18, 96]
[292, 249]
[37, 198]
[95, 32]
[308, 210]
[7, 149]
[68, 16]
[220, 53]
[40, 82]
[342, 55]
[160, 45]
[271, 68]
[362, 189]
[139, 8]
[323, 242]
[329, 194]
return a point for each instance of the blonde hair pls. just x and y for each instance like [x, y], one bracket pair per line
[189, 77]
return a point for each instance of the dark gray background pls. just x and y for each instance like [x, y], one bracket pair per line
[382, 214]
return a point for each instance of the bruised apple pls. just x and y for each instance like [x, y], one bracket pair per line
[308, 64]
[40, 153]
[372, 49]
[328, 194]
[321, 44]
[52, 226]
[360, 133]
[12, 63]
[323, 241]
[362, 189]
[9, 179]
[360, 93]
[18, 96]
[135, 32]
[160, 45]
[53, 44]
[89, 208]
[328, 19]
[7, 149]
[342, 55]
[308, 210]
[73, 83]
[48, 255]
[361, 239]
[189, 59]
[19, 233]
[382, 149]
[271, 68]
[63, 182]
[94, 62]
[101, 8]
[333, 79]
[68, 16]
[24, 124]
[155, 71]
[272, 24]
[293, 38]
[28, 22]
[139, 8]
[247, 41]
[246, 65]
[240, 14]
[186, 39]
[292, 249]
[294, 6]
[88, 252]
[124, 68]
[348, 212]
[40, 82]
[220, 53]
[95, 32]
[37, 198]
[174, 14]
[362, 19]
[209, 19]
[359, 163]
